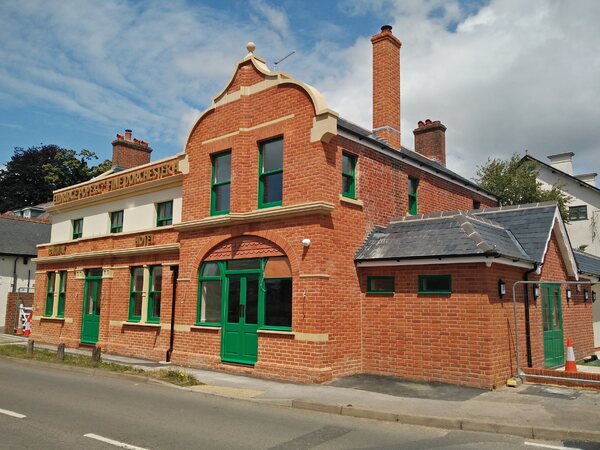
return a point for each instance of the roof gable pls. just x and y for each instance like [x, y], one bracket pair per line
[21, 236]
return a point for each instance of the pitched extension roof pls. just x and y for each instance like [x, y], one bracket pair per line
[588, 264]
[564, 174]
[20, 236]
[410, 155]
[517, 233]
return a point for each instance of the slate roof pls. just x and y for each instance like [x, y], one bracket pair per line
[515, 232]
[409, 154]
[588, 264]
[20, 236]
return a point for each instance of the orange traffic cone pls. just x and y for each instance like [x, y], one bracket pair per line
[570, 365]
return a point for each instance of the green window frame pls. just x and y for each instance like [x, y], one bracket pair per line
[77, 225]
[116, 221]
[348, 175]
[381, 285]
[136, 294]
[435, 284]
[62, 292]
[154, 294]
[50, 294]
[164, 213]
[578, 212]
[220, 193]
[270, 173]
[211, 292]
[413, 187]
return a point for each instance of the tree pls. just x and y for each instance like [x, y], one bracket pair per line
[515, 182]
[31, 175]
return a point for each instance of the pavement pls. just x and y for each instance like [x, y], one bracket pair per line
[529, 410]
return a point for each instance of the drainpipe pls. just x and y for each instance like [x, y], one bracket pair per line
[527, 325]
[175, 275]
[14, 286]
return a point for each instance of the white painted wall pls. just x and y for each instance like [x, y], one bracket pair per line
[25, 277]
[139, 214]
[580, 232]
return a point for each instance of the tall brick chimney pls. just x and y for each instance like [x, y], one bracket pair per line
[430, 140]
[128, 152]
[386, 86]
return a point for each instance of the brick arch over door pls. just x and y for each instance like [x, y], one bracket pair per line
[255, 245]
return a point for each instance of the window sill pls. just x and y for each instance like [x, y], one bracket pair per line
[434, 292]
[381, 293]
[276, 332]
[351, 201]
[142, 324]
[205, 327]
[53, 318]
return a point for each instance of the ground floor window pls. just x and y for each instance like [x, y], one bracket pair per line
[380, 285]
[210, 292]
[145, 294]
[136, 294]
[278, 302]
[55, 294]
[435, 284]
[154, 294]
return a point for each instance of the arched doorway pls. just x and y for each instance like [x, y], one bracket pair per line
[244, 285]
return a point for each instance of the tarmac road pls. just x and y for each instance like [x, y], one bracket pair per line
[71, 410]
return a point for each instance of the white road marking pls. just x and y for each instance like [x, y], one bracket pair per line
[557, 447]
[12, 414]
[113, 442]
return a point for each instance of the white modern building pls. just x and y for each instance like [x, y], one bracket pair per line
[584, 210]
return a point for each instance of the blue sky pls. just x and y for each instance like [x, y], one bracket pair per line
[503, 75]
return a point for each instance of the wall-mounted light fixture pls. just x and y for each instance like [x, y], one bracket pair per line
[536, 291]
[578, 288]
[306, 242]
[586, 295]
[501, 288]
[569, 294]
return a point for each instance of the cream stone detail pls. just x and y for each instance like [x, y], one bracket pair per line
[204, 327]
[183, 279]
[255, 127]
[183, 328]
[312, 337]
[146, 286]
[314, 275]
[224, 136]
[352, 201]
[107, 272]
[184, 163]
[279, 332]
[257, 215]
[325, 122]
[109, 253]
[79, 273]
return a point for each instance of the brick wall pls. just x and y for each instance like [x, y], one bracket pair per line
[13, 300]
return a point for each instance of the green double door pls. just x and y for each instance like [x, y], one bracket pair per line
[554, 350]
[92, 293]
[239, 334]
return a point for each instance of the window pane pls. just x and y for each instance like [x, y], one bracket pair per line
[137, 304]
[233, 310]
[347, 164]
[155, 313]
[156, 278]
[272, 155]
[222, 168]
[222, 195]
[51, 281]
[272, 188]
[243, 264]
[211, 270]
[385, 284]
[94, 273]
[436, 284]
[412, 186]
[251, 301]
[138, 279]
[63, 282]
[98, 297]
[278, 302]
[210, 305]
[346, 184]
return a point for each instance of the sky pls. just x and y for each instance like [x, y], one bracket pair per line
[502, 75]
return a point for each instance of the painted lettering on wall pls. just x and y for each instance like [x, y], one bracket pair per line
[114, 183]
[57, 250]
[144, 240]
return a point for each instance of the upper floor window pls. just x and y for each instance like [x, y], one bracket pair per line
[413, 185]
[221, 184]
[116, 221]
[348, 176]
[270, 189]
[578, 212]
[77, 228]
[164, 213]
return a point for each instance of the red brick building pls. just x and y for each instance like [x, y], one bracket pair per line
[238, 254]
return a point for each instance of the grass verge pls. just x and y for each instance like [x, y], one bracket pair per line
[178, 377]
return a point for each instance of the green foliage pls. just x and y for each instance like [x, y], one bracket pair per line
[514, 182]
[32, 174]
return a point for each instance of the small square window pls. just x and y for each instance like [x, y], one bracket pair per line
[476, 204]
[435, 284]
[77, 228]
[578, 212]
[380, 285]
[164, 213]
[116, 221]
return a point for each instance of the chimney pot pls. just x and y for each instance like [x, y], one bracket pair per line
[128, 135]
[386, 28]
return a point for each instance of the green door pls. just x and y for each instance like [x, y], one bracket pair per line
[92, 292]
[552, 321]
[240, 337]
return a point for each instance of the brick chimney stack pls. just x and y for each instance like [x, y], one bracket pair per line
[430, 140]
[128, 152]
[386, 86]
